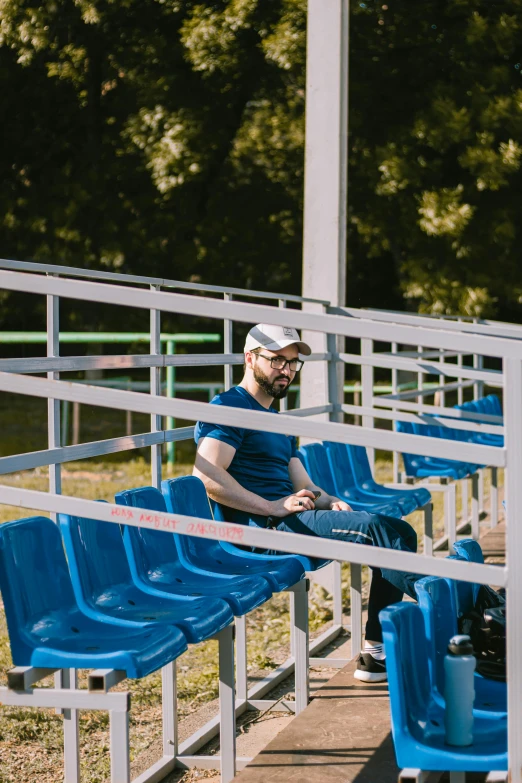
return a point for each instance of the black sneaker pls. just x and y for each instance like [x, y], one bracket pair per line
[370, 670]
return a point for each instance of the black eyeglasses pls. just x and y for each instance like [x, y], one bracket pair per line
[279, 362]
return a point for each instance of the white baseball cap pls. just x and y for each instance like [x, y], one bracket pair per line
[273, 338]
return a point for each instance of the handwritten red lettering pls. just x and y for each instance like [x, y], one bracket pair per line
[121, 511]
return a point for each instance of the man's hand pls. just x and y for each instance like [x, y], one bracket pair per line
[291, 504]
[340, 505]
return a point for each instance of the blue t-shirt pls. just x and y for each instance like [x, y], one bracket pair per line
[261, 461]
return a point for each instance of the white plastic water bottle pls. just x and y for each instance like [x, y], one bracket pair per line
[459, 691]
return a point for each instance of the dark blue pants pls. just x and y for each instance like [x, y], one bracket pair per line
[360, 527]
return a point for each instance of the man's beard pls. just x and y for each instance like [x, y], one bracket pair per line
[278, 393]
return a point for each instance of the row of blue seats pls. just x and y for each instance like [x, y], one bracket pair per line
[153, 591]
[344, 471]
[416, 638]
[419, 466]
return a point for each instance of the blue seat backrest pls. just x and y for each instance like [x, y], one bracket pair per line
[152, 547]
[96, 554]
[437, 600]
[469, 549]
[359, 463]
[187, 495]
[34, 581]
[340, 466]
[407, 665]
[316, 463]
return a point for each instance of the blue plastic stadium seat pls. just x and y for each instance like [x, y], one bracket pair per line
[308, 563]
[315, 458]
[489, 405]
[352, 473]
[104, 588]
[425, 467]
[47, 628]
[417, 712]
[469, 549]
[157, 567]
[439, 602]
[187, 495]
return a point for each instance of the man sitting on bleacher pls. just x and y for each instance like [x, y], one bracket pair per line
[258, 479]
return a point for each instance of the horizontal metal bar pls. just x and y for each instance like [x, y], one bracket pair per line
[250, 419]
[239, 311]
[102, 680]
[450, 413]
[22, 677]
[56, 269]
[108, 337]
[312, 411]
[37, 364]
[485, 327]
[37, 459]
[78, 363]
[430, 368]
[66, 699]
[409, 395]
[393, 415]
[254, 536]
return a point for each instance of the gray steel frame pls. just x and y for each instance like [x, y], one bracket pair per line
[360, 324]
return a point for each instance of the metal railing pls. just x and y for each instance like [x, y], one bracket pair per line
[450, 337]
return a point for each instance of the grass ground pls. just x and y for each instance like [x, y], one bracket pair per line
[31, 745]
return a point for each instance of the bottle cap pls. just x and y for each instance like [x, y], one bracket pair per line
[460, 645]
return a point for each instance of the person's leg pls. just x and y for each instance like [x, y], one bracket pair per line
[388, 586]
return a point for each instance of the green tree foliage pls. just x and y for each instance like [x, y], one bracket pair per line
[166, 137]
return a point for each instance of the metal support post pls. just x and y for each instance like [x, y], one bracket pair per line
[420, 378]
[227, 346]
[283, 403]
[475, 515]
[337, 593]
[119, 742]
[241, 659]
[442, 378]
[513, 472]
[428, 528]
[53, 406]
[356, 607]
[169, 697]
[68, 679]
[493, 498]
[394, 373]
[481, 508]
[478, 386]
[227, 710]
[155, 390]
[299, 604]
[367, 394]
[325, 186]
[171, 423]
[450, 516]
[464, 499]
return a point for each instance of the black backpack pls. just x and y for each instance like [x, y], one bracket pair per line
[485, 624]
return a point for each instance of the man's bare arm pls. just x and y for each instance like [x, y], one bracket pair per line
[213, 457]
[301, 480]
